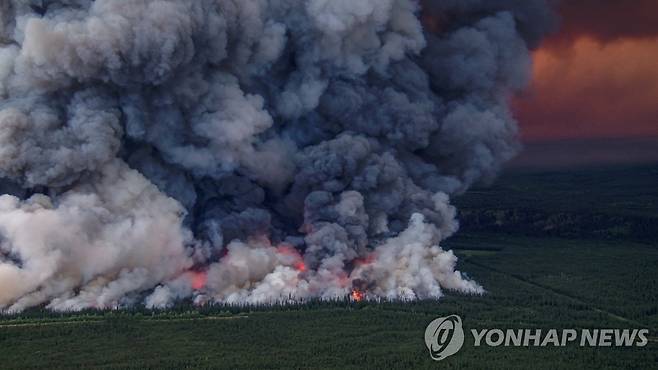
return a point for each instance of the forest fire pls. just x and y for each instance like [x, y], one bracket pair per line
[291, 257]
[199, 279]
[358, 295]
[367, 260]
[272, 149]
[300, 266]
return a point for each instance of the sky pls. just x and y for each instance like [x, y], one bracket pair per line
[597, 76]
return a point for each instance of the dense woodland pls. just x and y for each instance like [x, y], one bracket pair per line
[603, 203]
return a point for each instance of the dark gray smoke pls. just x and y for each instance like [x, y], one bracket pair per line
[248, 150]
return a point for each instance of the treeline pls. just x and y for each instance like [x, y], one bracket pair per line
[186, 308]
[534, 222]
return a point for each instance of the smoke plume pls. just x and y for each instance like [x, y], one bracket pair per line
[248, 151]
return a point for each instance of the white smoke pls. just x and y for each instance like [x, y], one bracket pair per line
[247, 151]
[111, 237]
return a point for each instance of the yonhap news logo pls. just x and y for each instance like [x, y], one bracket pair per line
[444, 337]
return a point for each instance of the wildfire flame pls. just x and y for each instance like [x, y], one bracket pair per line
[291, 257]
[300, 266]
[199, 279]
[363, 261]
[357, 295]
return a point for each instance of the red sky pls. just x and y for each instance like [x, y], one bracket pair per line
[597, 77]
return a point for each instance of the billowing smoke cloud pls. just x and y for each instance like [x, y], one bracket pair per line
[247, 151]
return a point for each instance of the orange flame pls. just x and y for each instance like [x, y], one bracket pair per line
[292, 257]
[300, 266]
[199, 279]
[370, 258]
[357, 295]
